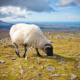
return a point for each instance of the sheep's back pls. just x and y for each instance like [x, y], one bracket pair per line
[24, 33]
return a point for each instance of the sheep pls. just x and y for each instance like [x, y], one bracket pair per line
[32, 36]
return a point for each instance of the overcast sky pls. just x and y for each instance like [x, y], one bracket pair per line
[40, 10]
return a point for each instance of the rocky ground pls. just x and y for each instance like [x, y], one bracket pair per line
[64, 65]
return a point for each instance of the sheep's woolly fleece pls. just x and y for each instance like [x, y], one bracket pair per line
[28, 34]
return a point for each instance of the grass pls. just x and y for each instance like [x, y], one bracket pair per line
[64, 49]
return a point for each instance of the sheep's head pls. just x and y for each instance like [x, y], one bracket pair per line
[48, 49]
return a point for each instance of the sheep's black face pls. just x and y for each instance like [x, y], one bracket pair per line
[49, 50]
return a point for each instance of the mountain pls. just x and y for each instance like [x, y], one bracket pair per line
[5, 25]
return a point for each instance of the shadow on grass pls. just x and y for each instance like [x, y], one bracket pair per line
[58, 57]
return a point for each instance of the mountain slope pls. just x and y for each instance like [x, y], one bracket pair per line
[5, 25]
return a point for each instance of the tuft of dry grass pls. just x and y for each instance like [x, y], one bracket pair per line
[66, 60]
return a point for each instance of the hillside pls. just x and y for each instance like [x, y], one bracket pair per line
[64, 65]
[5, 25]
[4, 33]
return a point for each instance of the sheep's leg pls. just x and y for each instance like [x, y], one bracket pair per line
[17, 52]
[25, 49]
[38, 53]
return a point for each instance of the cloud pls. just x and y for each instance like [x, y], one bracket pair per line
[68, 2]
[71, 17]
[30, 5]
[14, 12]
[61, 8]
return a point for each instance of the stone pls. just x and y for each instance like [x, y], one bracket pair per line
[77, 54]
[16, 63]
[6, 72]
[39, 62]
[55, 75]
[13, 70]
[50, 68]
[77, 59]
[22, 71]
[63, 74]
[25, 76]
[33, 58]
[60, 62]
[13, 58]
[46, 59]
[32, 79]
[11, 46]
[2, 61]
[54, 57]
[17, 74]
[73, 76]
[8, 57]
[37, 72]
[4, 75]
[38, 75]
[78, 66]
[21, 67]
[42, 67]
[31, 67]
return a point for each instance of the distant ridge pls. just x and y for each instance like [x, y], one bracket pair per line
[5, 25]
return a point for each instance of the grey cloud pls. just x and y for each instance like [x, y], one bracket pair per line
[30, 5]
[13, 12]
[68, 2]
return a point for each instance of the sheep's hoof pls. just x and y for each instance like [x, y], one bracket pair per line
[39, 55]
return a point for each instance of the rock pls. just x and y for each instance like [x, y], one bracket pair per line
[69, 54]
[11, 46]
[60, 62]
[64, 74]
[77, 54]
[39, 62]
[25, 76]
[6, 72]
[38, 75]
[46, 59]
[54, 57]
[13, 70]
[32, 79]
[33, 58]
[16, 63]
[50, 68]
[31, 67]
[4, 75]
[37, 72]
[22, 71]
[2, 61]
[13, 58]
[38, 58]
[8, 57]
[42, 67]
[55, 75]
[77, 59]
[17, 74]
[73, 76]
[21, 67]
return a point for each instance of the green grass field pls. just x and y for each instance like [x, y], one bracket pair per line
[66, 60]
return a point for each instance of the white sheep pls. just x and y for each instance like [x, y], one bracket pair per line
[30, 35]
